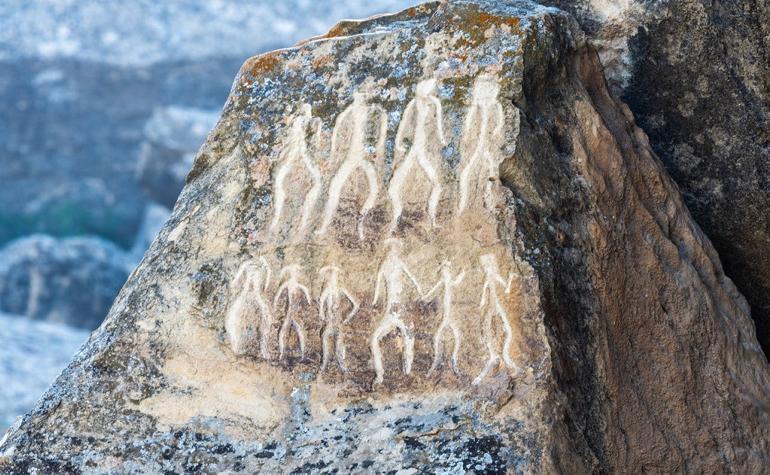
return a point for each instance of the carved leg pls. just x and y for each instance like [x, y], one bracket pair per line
[310, 199]
[383, 329]
[437, 348]
[335, 190]
[435, 193]
[394, 190]
[325, 337]
[508, 342]
[282, 336]
[371, 199]
[340, 351]
[406, 335]
[465, 179]
[456, 349]
[279, 194]
[300, 335]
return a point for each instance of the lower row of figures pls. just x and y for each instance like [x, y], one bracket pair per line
[251, 314]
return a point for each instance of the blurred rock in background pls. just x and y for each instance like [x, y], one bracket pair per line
[31, 356]
[99, 121]
[102, 106]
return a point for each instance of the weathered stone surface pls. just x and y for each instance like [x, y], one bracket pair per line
[70, 280]
[581, 323]
[697, 77]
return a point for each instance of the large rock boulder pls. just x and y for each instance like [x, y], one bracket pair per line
[430, 241]
[697, 77]
[70, 280]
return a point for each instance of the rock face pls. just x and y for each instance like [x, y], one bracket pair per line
[71, 280]
[427, 240]
[695, 75]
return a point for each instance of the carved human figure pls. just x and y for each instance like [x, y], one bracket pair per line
[331, 315]
[294, 291]
[295, 154]
[349, 144]
[250, 283]
[447, 282]
[390, 275]
[423, 121]
[482, 134]
[489, 295]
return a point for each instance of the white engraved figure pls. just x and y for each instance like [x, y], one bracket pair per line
[252, 280]
[330, 303]
[423, 119]
[391, 271]
[294, 290]
[447, 281]
[482, 131]
[352, 125]
[495, 308]
[295, 153]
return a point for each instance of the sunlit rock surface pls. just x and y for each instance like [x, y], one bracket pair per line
[431, 241]
[697, 77]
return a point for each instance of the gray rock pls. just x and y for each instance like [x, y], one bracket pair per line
[695, 74]
[343, 288]
[71, 280]
[173, 136]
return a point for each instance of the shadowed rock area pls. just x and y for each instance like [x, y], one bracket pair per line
[696, 75]
[427, 240]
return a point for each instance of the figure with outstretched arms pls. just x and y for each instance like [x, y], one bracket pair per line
[389, 277]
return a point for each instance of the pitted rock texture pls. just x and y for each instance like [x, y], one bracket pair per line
[432, 241]
[697, 77]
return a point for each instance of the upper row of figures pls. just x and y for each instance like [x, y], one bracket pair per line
[418, 143]
[250, 316]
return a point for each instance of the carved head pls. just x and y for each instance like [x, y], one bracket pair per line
[394, 245]
[291, 270]
[485, 90]
[488, 262]
[426, 88]
[331, 270]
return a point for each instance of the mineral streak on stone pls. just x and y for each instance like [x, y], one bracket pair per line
[529, 294]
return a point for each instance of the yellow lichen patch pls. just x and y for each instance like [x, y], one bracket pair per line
[264, 63]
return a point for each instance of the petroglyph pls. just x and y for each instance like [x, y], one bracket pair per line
[447, 282]
[390, 274]
[294, 290]
[330, 309]
[349, 142]
[489, 296]
[423, 120]
[295, 154]
[250, 283]
[482, 134]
